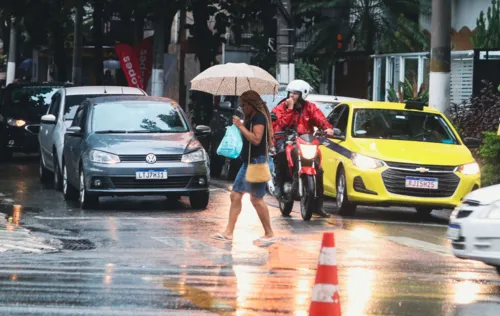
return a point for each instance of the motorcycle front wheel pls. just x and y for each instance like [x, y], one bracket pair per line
[308, 200]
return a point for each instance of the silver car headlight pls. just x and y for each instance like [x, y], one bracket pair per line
[196, 156]
[103, 157]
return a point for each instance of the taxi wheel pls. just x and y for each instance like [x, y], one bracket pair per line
[345, 207]
[424, 211]
[43, 173]
[498, 269]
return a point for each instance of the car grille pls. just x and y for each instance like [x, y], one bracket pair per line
[142, 158]
[132, 183]
[432, 168]
[34, 129]
[395, 180]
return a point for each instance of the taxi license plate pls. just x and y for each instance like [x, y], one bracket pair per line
[421, 183]
[453, 232]
[151, 174]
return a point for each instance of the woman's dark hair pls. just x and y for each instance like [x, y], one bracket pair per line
[253, 99]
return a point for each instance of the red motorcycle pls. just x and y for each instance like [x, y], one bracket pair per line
[302, 152]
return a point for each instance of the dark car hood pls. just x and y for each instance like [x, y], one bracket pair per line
[141, 144]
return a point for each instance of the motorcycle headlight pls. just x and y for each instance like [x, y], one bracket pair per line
[308, 151]
[469, 169]
[103, 157]
[196, 156]
[365, 162]
[16, 123]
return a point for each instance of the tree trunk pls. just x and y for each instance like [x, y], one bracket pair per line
[59, 53]
[98, 39]
[77, 45]
[138, 27]
[205, 46]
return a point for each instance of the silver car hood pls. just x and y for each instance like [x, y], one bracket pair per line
[141, 144]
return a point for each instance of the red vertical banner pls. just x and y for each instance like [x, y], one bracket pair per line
[130, 65]
[145, 56]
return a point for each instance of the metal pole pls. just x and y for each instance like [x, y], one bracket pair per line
[77, 45]
[439, 92]
[11, 62]
[182, 57]
[158, 80]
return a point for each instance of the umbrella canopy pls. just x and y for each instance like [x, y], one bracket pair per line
[26, 64]
[234, 79]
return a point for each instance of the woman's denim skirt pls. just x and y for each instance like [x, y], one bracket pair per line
[254, 189]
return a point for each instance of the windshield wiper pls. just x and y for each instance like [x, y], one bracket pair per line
[112, 131]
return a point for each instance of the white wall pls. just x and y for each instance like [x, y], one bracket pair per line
[464, 13]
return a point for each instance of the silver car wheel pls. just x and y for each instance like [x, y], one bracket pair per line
[65, 180]
[82, 188]
[340, 191]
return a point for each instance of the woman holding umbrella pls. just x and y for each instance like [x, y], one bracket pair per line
[257, 134]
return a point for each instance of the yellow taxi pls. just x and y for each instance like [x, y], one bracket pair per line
[396, 154]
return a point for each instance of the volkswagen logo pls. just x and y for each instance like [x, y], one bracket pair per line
[422, 170]
[151, 158]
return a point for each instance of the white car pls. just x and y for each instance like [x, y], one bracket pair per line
[59, 116]
[474, 228]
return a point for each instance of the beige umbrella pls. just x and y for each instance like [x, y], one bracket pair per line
[234, 79]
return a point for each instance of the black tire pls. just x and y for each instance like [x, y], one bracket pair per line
[216, 165]
[424, 211]
[345, 207]
[307, 200]
[57, 178]
[285, 207]
[87, 200]
[5, 154]
[498, 269]
[44, 173]
[70, 193]
[199, 200]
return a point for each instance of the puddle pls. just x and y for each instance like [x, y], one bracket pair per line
[76, 244]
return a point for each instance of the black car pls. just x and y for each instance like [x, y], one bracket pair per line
[21, 108]
[222, 118]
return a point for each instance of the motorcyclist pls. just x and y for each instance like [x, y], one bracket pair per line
[294, 112]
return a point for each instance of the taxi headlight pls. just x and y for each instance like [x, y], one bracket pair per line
[365, 162]
[103, 157]
[469, 169]
[195, 156]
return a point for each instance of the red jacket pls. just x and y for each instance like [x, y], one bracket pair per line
[311, 117]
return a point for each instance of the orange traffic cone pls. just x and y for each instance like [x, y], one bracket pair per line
[325, 296]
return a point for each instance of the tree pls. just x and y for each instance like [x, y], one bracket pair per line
[487, 34]
[365, 23]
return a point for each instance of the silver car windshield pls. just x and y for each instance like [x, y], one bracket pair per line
[137, 117]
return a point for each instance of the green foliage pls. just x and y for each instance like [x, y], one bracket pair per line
[490, 154]
[308, 72]
[408, 37]
[367, 24]
[487, 34]
[408, 91]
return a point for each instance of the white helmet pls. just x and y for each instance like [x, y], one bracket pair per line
[299, 86]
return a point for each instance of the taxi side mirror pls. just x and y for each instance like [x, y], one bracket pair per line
[337, 134]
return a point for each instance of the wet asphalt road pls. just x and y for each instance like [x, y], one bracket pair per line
[150, 256]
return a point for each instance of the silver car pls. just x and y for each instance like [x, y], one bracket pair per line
[59, 116]
[134, 146]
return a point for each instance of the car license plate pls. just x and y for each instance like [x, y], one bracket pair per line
[421, 183]
[151, 174]
[453, 232]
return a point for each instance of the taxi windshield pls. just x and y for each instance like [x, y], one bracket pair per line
[402, 125]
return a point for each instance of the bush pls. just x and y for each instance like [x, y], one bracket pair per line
[490, 154]
[478, 117]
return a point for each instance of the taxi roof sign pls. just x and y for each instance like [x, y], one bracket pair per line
[415, 105]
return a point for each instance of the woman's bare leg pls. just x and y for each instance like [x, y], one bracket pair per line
[263, 213]
[234, 212]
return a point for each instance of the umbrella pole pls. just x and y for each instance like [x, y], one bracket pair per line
[235, 85]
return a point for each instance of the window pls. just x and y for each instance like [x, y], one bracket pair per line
[55, 105]
[138, 117]
[402, 125]
[339, 118]
[78, 120]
